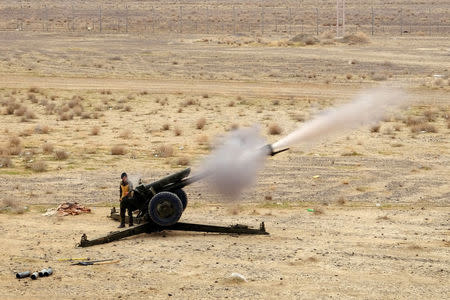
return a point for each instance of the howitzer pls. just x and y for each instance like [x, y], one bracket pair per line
[161, 204]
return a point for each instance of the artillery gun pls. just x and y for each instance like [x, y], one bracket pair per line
[161, 204]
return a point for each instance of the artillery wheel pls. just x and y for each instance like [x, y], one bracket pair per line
[165, 208]
[183, 197]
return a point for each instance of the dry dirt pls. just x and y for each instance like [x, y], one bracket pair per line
[381, 195]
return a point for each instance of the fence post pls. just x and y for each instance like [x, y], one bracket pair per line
[343, 17]
[290, 21]
[317, 21]
[100, 18]
[337, 18]
[126, 18]
[401, 21]
[373, 18]
[207, 20]
[153, 19]
[234, 20]
[262, 19]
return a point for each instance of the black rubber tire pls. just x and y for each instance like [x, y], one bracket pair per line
[165, 208]
[183, 197]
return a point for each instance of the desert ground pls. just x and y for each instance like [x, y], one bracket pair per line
[362, 214]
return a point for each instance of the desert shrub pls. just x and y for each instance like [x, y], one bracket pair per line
[61, 154]
[183, 161]
[356, 38]
[200, 123]
[78, 110]
[231, 103]
[203, 140]
[106, 92]
[425, 127]
[349, 76]
[14, 141]
[379, 77]
[341, 201]
[413, 121]
[42, 129]
[276, 102]
[66, 116]
[430, 115]
[130, 97]
[328, 35]
[234, 126]
[318, 211]
[38, 166]
[47, 148]
[298, 117]
[34, 90]
[164, 151]
[6, 162]
[118, 150]
[20, 111]
[397, 127]
[165, 127]
[85, 115]
[32, 98]
[205, 96]
[177, 131]
[126, 134]
[180, 110]
[275, 129]
[375, 128]
[304, 38]
[29, 115]
[127, 108]
[95, 130]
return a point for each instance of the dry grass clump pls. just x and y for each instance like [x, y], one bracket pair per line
[341, 201]
[61, 154]
[183, 161]
[188, 102]
[349, 76]
[318, 211]
[234, 126]
[203, 140]
[118, 150]
[20, 111]
[177, 131]
[165, 127]
[34, 90]
[65, 116]
[276, 102]
[33, 98]
[413, 121]
[164, 151]
[85, 115]
[38, 166]
[298, 117]
[379, 77]
[275, 129]
[11, 206]
[328, 35]
[14, 146]
[386, 218]
[95, 130]
[47, 148]
[200, 124]
[6, 162]
[231, 103]
[304, 38]
[127, 108]
[356, 38]
[42, 129]
[126, 134]
[430, 115]
[375, 128]
[425, 127]
[205, 96]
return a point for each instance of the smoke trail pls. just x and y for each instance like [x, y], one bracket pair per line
[233, 166]
[368, 107]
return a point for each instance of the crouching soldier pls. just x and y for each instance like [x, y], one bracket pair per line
[126, 196]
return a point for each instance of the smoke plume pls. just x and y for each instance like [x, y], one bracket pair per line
[236, 162]
[368, 107]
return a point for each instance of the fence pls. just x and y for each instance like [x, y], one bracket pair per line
[226, 17]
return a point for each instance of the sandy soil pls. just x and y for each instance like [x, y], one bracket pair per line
[382, 194]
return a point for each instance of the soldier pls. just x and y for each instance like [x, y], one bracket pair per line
[126, 195]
